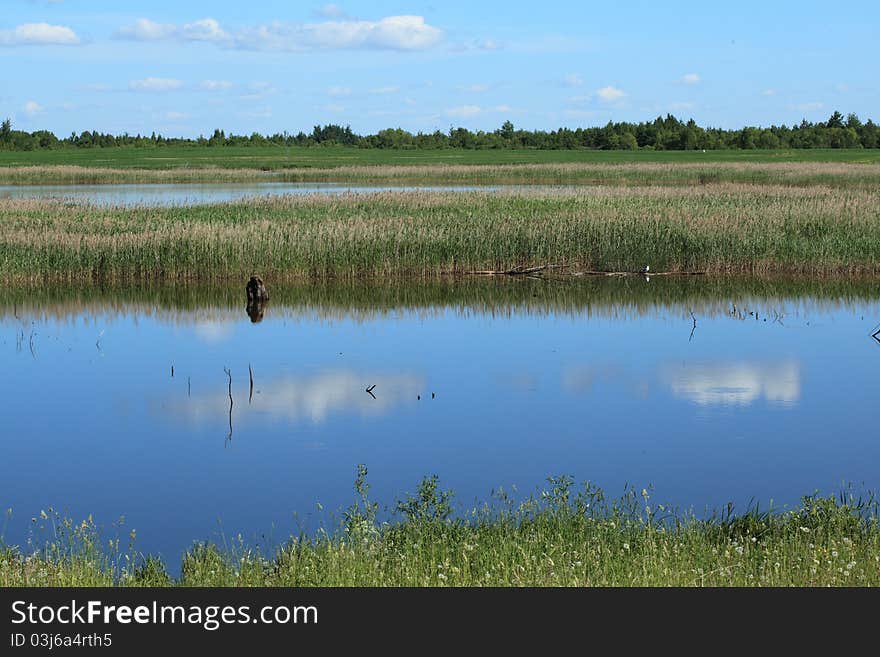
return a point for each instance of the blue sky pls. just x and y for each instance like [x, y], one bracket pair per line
[184, 68]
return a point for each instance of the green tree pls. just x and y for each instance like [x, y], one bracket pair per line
[6, 131]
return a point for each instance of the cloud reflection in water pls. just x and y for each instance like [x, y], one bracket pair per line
[736, 384]
[308, 398]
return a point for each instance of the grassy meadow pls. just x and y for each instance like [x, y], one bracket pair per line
[563, 536]
[589, 172]
[716, 227]
[281, 157]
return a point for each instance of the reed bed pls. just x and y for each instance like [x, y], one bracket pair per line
[718, 228]
[562, 536]
[838, 174]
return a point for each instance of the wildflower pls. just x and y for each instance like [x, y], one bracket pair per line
[739, 549]
[626, 546]
[805, 530]
[43, 515]
[834, 553]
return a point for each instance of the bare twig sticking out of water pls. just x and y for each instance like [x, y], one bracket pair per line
[98, 341]
[694, 327]
[229, 376]
[188, 387]
[172, 370]
[876, 333]
[369, 391]
[31, 345]
[251, 375]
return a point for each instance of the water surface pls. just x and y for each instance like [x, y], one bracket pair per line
[484, 383]
[180, 194]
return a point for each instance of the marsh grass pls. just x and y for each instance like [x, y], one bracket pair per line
[719, 228]
[623, 173]
[564, 535]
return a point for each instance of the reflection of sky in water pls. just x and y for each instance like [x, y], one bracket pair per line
[313, 398]
[174, 194]
[736, 383]
[741, 410]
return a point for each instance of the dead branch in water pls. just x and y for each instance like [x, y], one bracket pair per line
[516, 271]
[251, 374]
[638, 273]
[369, 390]
[229, 375]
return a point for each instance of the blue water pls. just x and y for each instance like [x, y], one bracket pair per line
[733, 409]
[188, 194]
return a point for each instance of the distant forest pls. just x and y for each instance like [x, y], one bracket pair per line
[663, 133]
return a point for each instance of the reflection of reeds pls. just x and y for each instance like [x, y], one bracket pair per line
[617, 298]
[725, 228]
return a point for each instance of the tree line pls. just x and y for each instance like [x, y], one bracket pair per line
[663, 133]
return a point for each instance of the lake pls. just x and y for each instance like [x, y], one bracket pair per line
[710, 390]
[179, 194]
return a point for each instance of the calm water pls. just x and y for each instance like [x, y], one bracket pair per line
[200, 194]
[607, 381]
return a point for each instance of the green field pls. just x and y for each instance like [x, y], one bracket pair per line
[562, 536]
[278, 157]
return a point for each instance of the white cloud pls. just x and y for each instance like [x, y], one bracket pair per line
[475, 88]
[464, 111]
[338, 91]
[176, 116]
[206, 29]
[39, 34]
[215, 85]
[155, 84]
[573, 80]
[144, 29]
[809, 107]
[333, 107]
[682, 105]
[32, 108]
[503, 108]
[609, 94]
[389, 33]
[769, 92]
[690, 78]
[385, 90]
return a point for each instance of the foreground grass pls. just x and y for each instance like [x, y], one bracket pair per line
[562, 537]
[717, 228]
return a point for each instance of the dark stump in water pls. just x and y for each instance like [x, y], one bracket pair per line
[256, 290]
[257, 295]
[255, 310]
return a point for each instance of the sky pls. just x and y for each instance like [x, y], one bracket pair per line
[186, 68]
